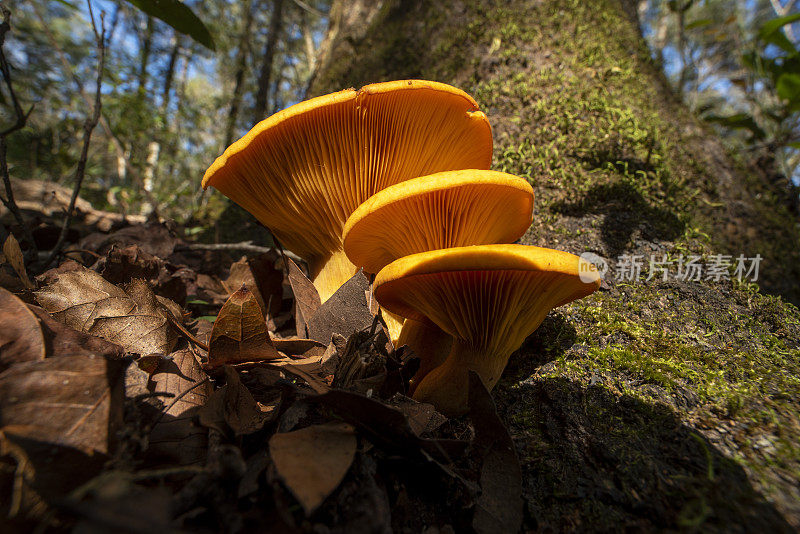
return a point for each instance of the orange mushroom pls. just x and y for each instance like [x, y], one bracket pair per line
[488, 297]
[304, 170]
[443, 210]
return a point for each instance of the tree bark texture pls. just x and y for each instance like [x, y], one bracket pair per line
[609, 401]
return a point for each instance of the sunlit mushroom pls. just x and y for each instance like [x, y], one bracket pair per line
[443, 210]
[488, 297]
[304, 170]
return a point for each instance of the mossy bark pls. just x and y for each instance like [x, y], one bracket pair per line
[653, 403]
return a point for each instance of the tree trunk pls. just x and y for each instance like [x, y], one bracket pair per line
[241, 66]
[169, 75]
[145, 46]
[622, 405]
[265, 75]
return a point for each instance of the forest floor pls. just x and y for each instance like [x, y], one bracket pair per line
[219, 395]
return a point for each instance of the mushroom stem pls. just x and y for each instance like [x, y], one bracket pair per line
[446, 386]
[394, 324]
[429, 343]
[330, 273]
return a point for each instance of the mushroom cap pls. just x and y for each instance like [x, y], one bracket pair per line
[443, 210]
[489, 297]
[304, 170]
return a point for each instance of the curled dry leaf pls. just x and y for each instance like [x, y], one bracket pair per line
[240, 332]
[21, 338]
[299, 347]
[125, 264]
[14, 257]
[345, 313]
[313, 461]
[306, 297]
[153, 238]
[175, 435]
[261, 278]
[133, 318]
[232, 409]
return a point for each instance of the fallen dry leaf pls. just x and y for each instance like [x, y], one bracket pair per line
[313, 461]
[298, 346]
[133, 318]
[14, 257]
[262, 278]
[306, 297]
[175, 435]
[240, 332]
[499, 506]
[386, 426]
[232, 409]
[73, 401]
[21, 338]
[422, 417]
[127, 263]
[345, 313]
[61, 340]
[153, 238]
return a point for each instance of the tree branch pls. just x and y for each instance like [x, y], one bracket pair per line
[19, 123]
[245, 246]
[88, 128]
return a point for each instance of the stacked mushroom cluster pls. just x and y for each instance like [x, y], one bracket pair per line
[394, 179]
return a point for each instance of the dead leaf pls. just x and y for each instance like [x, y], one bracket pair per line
[386, 426]
[298, 346]
[14, 257]
[21, 338]
[499, 507]
[345, 313]
[127, 263]
[153, 238]
[74, 401]
[313, 461]
[61, 340]
[132, 318]
[240, 332]
[232, 409]
[175, 435]
[422, 417]
[51, 275]
[306, 297]
[262, 278]
[44, 471]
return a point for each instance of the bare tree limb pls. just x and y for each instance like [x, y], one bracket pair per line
[21, 120]
[245, 246]
[310, 9]
[88, 127]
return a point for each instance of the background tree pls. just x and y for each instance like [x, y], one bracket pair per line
[171, 104]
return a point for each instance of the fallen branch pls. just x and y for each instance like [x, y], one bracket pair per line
[88, 128]
[244, 246]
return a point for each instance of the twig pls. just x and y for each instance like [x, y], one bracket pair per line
[310, 9]
[178, 397]
[244, 246]
[88, 128]
[188, 335]
[21, 120]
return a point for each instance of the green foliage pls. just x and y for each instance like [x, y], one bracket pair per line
[179, 16]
